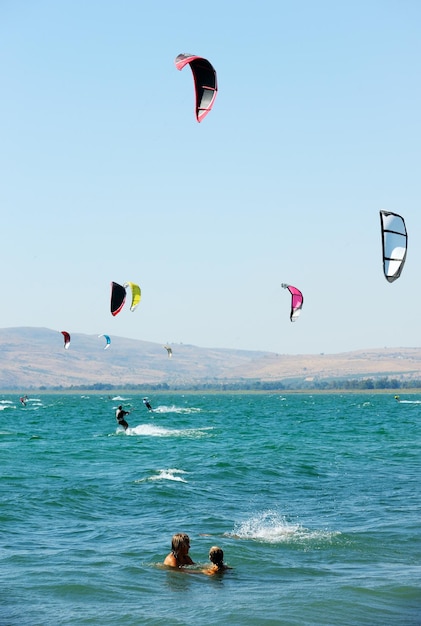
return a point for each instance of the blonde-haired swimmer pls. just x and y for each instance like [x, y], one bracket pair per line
[179, 555]
[216, 556]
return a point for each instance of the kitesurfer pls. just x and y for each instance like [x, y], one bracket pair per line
[23, 400]
[179, 555]
[147, 404]
[119, 415]
[397, 398]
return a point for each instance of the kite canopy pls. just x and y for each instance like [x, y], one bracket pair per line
[394, 244]
[118, 298]
[107, 340]
[205, 82]
[66, 339]
[296, 301]
[136, 294]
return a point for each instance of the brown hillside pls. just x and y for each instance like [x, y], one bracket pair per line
[35, 357]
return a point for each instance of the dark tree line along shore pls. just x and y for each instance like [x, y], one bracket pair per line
[337, 384]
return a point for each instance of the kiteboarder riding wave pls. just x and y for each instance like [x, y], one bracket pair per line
[119, 415]
[147, 404]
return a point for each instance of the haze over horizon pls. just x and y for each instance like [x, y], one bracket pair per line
[108, 176]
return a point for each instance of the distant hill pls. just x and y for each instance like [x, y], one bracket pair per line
[35, 358]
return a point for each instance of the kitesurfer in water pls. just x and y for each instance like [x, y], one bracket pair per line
[23, 400]
[120, 415]
[147, 404]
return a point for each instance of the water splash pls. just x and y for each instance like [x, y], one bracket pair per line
[271, 527]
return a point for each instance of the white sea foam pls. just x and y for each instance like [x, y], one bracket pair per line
[176, 409]
[6, 404]
[151, 430]
[165, 474]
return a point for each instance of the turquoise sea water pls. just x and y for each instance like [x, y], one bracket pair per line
[315, 501]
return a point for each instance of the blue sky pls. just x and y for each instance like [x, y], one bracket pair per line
[106, 175]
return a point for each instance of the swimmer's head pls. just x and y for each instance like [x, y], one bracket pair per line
[180, 543]
[216, 555]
